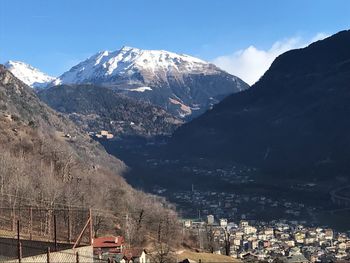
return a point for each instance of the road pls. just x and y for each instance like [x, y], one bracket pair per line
[337, 197]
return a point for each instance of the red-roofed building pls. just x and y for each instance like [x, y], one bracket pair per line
[109, 245]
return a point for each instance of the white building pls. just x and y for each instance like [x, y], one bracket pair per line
[243, 223]
[223, 222]
[210, 219]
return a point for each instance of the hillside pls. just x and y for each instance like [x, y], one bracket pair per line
[95, 108]
[40, 165]
[292, 123]
[184, 86]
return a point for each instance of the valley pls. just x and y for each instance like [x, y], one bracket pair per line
[201, 186]
[147, 154]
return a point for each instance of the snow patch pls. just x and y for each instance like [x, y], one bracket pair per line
[141, 89]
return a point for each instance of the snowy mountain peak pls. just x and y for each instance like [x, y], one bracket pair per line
[128, 61]
[181, 84]
[127, 48]
[28, 74]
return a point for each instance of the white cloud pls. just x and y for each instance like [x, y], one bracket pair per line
[251, 63]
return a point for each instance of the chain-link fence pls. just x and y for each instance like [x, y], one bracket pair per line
[77, 255]
[30, 234]
[43, 223]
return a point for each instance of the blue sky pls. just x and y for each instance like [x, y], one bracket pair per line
[53, 35]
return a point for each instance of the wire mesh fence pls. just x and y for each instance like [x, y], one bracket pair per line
[77, 255]
[43, 223]
[43, 234]
[31, 234]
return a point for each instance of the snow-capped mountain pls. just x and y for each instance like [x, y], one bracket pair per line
[155, 64]
[28, 74]
[183, 85]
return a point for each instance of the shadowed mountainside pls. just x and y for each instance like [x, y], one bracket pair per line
[294, 121]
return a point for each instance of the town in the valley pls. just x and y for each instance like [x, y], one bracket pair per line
[254, 241]
[247, 241]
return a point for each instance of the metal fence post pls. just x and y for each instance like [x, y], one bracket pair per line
[91, 227]
[18, 235]
[19, 248]
[20, 252]
[69, 227]
[55, 231]
[13, 212]
[77, 257]
[48, 255]
[31, 223]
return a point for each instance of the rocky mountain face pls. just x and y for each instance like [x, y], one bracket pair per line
[96, 108]
[294, 121]
[46, 160]
[28, 74]
[183, 85]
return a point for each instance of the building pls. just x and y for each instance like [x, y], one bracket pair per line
[269, 232]
[104, 133]
[296, 259]
[135, 256]
[223, 222]
[105, 247]
[109, 136]
[328, 234]
[249, 230]
[243, 223]
[187, 223]
[210, 219]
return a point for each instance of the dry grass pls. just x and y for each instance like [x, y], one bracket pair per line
[205, 257]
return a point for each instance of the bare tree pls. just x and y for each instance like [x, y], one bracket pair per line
[227, 241]
[209, 243]
[167, 235]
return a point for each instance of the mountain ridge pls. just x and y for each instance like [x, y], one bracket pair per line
[183, 85]
[128, 59]
[298, 108]
[28, 74]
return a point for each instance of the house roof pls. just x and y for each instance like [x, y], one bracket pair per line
[108, 242]
[296, 259]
